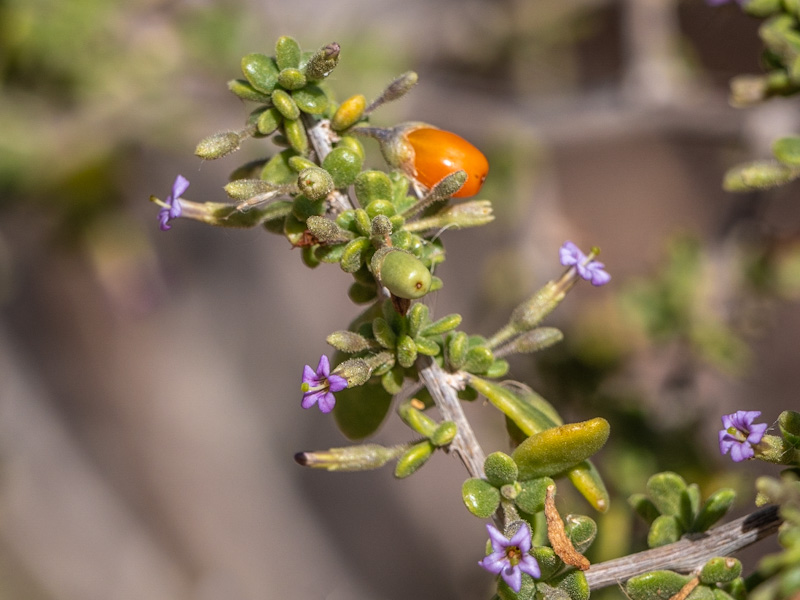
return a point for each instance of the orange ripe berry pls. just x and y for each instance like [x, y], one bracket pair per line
[438, 153]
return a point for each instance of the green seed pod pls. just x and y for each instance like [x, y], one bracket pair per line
[402, 273]
[644, 507]
[291, 78]
[383, 333]
[296, 134]
[352, 257]
[656, 585]
[315, 182]
[457, 346]
[443, 325]
[721, 569]
[277, 169]
[500, 469]
[417, 316]
[587, 480]
[348, 341]
[789, 424]
[322, 62]
[581, 530]
[261, 72]
[664, 530]
[287, 53]
[360, 293]
[351, 143]
[555, 450]
[372, 185]
[218, 145]
[416, 419]
[444, 434]
[480, 497]
[246, 91]
[413, 459]
[532, 494]
[349, 113]
[344, 166]
[269, 120]
[311, 100]
[714, 508]
[666, 490]
[479, 359]
[406, 351]
[285, 105]
[498, 368]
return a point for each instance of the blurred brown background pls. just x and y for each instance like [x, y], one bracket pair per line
[149, 381]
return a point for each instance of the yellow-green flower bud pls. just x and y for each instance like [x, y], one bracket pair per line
[285, 104]
[218, 145]
[344, 165]
[380, 229]
[315, 182]
[243, 189]
[287, 52]
[395, 90]
[260, 71]
[322, 62]
[311, 100]
[348, 341]
[349, 113]
[291, 78]
[413, 459]
[327, 231]
[356, 370]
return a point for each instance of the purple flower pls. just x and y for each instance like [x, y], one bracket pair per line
[318, 387]
[740, 434]
[721, 2]
[510, 557]
[172, 207]
[588, 268]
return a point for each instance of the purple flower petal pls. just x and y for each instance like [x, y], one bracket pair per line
[529, 565]
[570, 254]
[173, 210]
[513, 577]
[324, 366]
[740, 434]
[510, 557]
[337, 383]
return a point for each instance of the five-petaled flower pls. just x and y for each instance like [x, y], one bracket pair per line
[509, 557]
[318, 387]
[171, 208]
[740, 434]
[588, 268]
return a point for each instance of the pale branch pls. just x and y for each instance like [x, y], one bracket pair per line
[465, 445]
[690, 553]
[319, 135]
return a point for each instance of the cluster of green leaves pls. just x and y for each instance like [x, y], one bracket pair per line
[719, 579]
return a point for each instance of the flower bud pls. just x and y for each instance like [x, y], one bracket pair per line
[355, 370]
[344, 165]
[531, 312]
[349, 113]
[260, 71]
[351, 458]
[310, 99]
[218, 145]
[395, 90]
[758, 175]
[348, 341]
[242, 189]
[287, 53]
[381, 228]
[322, 62]
[402, 273]
[285, 104]
[315, 182]
[291, 78]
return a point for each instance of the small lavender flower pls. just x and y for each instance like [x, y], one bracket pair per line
[318, 387]
[721, 2]
[172, 206]
[740, 434]
[509, 557]
[588, 268]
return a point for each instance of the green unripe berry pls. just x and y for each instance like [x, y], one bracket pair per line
[314, 182]
[404, 275]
